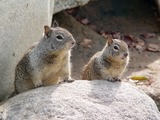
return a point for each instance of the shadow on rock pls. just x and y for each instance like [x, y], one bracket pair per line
[101, 94]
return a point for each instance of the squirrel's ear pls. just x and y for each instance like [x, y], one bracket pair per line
[109, 40]
[47, 30]
[55, 24]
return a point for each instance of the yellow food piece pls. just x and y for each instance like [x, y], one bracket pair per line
[139, 78]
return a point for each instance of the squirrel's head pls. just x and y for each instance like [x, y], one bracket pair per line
[116, 49]
[58, 38]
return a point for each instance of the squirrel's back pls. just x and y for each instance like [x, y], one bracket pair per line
[89, 71]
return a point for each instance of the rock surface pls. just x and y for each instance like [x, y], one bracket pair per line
[60, 5]
[89, 100]
[21, 25]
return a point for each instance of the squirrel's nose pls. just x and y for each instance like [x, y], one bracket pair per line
[125, 54]
[73, 42]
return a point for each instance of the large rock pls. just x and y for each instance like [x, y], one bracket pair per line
[60, 5]
[95, 100]
[21, 25]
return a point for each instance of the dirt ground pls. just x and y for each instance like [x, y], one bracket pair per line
[133, 20]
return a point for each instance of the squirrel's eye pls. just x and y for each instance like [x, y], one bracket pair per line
[59, 37]
[116, 47]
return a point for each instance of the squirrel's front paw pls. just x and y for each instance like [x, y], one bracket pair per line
[69, 80]
[37, 86]
[114, 80]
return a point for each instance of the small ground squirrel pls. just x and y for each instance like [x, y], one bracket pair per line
[47, 62]
[108, 64]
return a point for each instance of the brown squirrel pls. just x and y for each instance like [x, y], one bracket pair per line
[108, 64]
[47, 62]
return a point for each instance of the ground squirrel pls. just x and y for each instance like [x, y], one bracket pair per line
[46, 62]
[108, 64]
